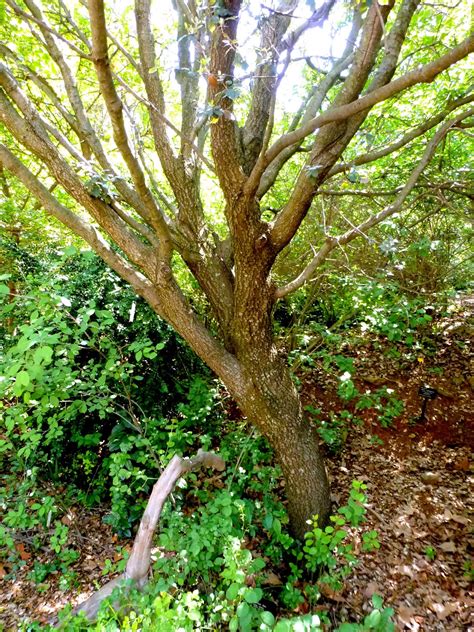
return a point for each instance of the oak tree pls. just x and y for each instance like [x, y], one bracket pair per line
[158, 150]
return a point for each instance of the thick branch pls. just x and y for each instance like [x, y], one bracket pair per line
[89, 139]
[115, 109]
[224, 133]
[312, 106]
[74, 222]
[264, 81]
[416, 132]
[40, 146]
[187, 75]
[259, 123]
[425, 74]
[12, 87]
[138, 565]
[154, 90]
[391, 209]
[37, 18]
[332, 139]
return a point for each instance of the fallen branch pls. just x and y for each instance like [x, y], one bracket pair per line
[138, 565]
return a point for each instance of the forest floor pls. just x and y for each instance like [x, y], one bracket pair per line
[419, 478]
[420, 483]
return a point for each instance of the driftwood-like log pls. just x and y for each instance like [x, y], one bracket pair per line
[138, 565]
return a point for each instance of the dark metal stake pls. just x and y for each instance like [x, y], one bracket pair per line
[427, 393]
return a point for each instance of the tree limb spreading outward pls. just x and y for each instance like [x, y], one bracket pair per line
[332, 242]
[425, 74]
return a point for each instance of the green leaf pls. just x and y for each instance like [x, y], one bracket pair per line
[377, 601]
[253, 595]
[258, 564]
[267, 618]
[231, 93]
[373, 619]
[43, 354]
[23, 378]
[4, 289]
[234, 624]
[245, 614]
[233, 591]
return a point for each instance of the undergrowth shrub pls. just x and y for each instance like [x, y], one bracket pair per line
[95, 393]
[355, 309]
[208, 573]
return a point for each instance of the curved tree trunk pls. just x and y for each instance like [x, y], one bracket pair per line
[274, 406]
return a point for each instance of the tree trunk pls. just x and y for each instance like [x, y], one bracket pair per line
[274, 406]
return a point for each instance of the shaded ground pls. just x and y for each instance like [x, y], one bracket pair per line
[419, 484]
[23, 599]
[420, 481]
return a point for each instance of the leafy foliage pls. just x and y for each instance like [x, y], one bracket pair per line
[85, 386]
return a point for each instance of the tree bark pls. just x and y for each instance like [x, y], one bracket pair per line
[273, 404]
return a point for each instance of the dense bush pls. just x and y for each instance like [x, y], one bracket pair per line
[94, 386]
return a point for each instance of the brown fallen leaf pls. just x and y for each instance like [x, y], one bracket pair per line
[420, 535]
[250, 580]
[272, 579]
[406, 614]
[448, 547]
[444, 610]
[24, 555]
[462, 464]
[371, 589]
[403, 528]
[444, 392]
[460, 519]
[90, 564]
[329, 593]
[68, 518]
[431, 477]
[407, 570]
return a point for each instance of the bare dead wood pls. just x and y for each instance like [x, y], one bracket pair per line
[138, 565]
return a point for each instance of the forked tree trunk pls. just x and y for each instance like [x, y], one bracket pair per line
[274, 406]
